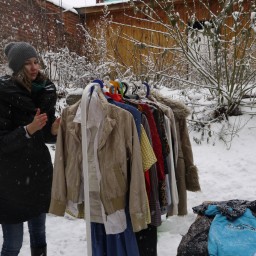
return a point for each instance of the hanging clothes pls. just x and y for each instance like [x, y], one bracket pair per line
[154, 193]
[113, 153]
[147, 238]
[164, 186]
[115, 171]
[186, 172]
[173, 206]
[148, 158]
[172, 157]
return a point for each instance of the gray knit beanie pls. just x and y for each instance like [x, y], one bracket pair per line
[17, 53]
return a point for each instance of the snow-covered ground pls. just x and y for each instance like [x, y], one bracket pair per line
[225, 174]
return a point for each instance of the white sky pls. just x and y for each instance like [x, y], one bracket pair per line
[224, 175]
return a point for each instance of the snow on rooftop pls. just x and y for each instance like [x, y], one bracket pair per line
[70, 5]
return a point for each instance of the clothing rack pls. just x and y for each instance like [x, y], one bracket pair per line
[140, 108]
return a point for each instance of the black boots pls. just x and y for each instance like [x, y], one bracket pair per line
[39, 251]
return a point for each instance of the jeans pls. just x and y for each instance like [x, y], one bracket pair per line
[13, 235]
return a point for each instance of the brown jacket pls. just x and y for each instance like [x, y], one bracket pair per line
[120, 163]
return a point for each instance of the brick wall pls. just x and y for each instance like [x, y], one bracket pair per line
[41, 23]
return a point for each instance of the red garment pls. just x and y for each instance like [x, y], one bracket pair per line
[147, 181]
[115, 96]
[157, 147]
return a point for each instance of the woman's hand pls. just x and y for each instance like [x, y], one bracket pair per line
[38, 123]
[55, 126]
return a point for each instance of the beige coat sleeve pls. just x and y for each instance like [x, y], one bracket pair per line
[59, 190]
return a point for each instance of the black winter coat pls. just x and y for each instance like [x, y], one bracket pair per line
[25, 163]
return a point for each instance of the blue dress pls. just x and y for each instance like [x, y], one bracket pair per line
[123, 244]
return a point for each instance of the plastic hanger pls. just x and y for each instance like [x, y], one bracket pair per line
[116, 86]
[125, 85]
[134, 90]
[148, 89]
[98, 82]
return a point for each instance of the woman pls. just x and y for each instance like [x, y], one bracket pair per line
[27, 122]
